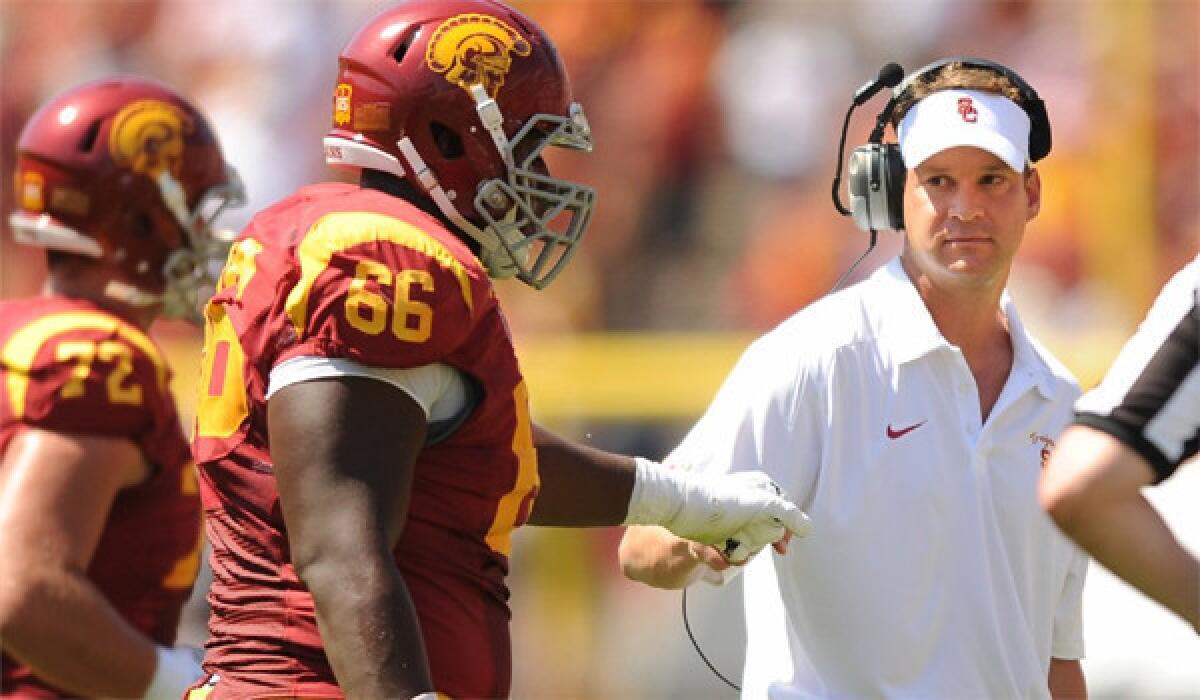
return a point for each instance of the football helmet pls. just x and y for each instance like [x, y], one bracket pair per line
[125, 169]
[461, 98]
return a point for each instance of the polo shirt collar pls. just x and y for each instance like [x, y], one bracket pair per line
[1027, 359]
[901, 316]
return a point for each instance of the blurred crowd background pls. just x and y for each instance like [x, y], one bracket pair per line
[716, 126]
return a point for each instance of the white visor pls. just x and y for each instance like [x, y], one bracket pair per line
[950, 118]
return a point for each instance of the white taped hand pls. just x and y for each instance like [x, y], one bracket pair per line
[758, 533]
[741, 512]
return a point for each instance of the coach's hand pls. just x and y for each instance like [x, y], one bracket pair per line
[739, 513]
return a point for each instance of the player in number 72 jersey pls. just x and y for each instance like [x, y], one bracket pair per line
[100, 530]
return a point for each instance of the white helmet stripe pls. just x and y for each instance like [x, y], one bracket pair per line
[41, 230]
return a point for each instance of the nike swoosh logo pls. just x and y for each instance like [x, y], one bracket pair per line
[893, 433]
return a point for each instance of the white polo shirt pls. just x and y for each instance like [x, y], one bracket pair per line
[931, 571]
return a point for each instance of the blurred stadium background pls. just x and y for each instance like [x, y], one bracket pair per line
[716, 127]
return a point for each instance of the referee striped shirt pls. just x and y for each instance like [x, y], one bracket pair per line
[1150, 398]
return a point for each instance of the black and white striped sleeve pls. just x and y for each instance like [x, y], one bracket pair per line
[1150, 398]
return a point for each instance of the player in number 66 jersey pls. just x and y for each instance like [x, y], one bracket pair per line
[100, 529]
[363, 431]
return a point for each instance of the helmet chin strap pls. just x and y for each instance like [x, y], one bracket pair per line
[175, 199]
[497, 257]
[131, 295]
[493, 254]
[493, 121]
[177, 299]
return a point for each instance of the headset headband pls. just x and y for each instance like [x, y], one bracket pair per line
[1039, 131]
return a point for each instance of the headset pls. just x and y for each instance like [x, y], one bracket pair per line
[876, 171]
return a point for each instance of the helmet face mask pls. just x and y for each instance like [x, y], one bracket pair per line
[462, 98]
[191, 272]
[545, 216]
[126, 171]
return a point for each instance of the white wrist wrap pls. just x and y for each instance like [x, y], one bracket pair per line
[176, 669]
[657, 494]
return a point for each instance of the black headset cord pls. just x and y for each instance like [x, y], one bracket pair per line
[696, 646]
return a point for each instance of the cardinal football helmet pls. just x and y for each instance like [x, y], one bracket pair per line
[127, 170]
[461, 98]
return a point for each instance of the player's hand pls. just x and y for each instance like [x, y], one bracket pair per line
[746, 507]
[741, 513]
[740, 548]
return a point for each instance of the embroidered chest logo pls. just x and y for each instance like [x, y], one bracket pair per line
[474, 49]
[895, 433]
[1047, 445]
[147, 137]
[966, 107]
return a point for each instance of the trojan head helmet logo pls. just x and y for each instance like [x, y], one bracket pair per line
[147, 137]
[475, 50]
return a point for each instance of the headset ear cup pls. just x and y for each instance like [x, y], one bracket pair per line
[875, 180]
[1039, 129]
[858, 175]
[894, 176]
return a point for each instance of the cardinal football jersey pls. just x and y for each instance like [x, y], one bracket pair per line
[340, 271]
[68, 366]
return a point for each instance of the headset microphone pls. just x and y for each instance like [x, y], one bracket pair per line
[868, 177]
[889, 76]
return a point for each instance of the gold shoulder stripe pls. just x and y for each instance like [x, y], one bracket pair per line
[334, 233]
[21, 350]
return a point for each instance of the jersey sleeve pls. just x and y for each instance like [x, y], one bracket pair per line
[84, 373]
[1150, 397]
[379, 291]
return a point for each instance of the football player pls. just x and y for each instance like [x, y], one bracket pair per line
[100, 531]
[364, 437]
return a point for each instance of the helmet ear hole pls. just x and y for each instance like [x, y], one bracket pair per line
[89, 137]
[448, 142]
[402, 48]
[143, 227]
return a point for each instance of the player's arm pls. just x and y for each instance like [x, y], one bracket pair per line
[1066, 681]
[582, 486]
[56, 491]
[1092, 489]
[344, 451]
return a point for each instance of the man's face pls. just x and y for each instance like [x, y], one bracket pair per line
[965, 212]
